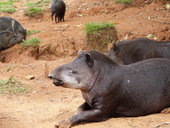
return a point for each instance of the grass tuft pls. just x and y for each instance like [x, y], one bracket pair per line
[5, 3]
[124, 2]
[30, 32]
[92, 28]
[12, 86]
[8, 9]
[7, 6]
[33, 11]
[99, 35]
[35, 8]
[33, 42]
[13, 0]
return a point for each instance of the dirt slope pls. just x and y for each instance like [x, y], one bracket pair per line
[45, 104]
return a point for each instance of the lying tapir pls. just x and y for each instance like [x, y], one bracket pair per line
[7, 39]
[14, 26]
[11, 32]
[112, 90]
[131, 51]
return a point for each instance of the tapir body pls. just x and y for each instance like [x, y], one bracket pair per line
[131, 51]
[8, 23]
[58, 9]
[7, 39]
[11, 32]
[113, 90]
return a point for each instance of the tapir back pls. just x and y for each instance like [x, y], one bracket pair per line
[131, 51]
[147, 84]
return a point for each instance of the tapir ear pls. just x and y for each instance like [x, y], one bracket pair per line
[114, 46]
[80, 52]
[89, 60]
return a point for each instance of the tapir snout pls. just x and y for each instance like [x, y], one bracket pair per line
[56, 81]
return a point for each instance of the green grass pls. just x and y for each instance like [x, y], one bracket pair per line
[12, 86]
[39, 3]
[5, 3]
[36, 4]
[7, 6]
[30, 32]
[35, 8]
[33, 42]
[124, 1]
[33, 11]
[92, 28]
[99, 35]
[7, 9]
[13, 0]
[30, 4]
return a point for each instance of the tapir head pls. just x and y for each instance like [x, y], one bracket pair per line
[77, 74]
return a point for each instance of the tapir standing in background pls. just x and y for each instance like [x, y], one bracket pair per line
[58, 9]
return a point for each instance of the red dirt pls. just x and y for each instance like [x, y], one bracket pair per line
[45, 105]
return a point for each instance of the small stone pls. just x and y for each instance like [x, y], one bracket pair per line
[78, 25]
[30, 77]
[80, 15]
[65, 25]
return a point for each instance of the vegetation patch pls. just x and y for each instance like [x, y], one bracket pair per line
[93, 28]
[33, 42]
[127, 2]
[99, 35]
[14, 0]
[7, 6]
[12, 86]
[40, 3]
[33, 11]
[30, 32]
[36, 8]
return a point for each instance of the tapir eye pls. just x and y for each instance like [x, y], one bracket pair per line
[117, 50]
[72, 72]
[20, 31]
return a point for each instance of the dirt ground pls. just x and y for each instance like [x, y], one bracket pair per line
[46, 104]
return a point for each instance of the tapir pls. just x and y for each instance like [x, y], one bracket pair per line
[113, 90]
[132, 51]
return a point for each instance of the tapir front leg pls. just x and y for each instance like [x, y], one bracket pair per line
[92, 115]
[84, 107]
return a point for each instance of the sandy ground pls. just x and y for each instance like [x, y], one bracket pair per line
[46, 104]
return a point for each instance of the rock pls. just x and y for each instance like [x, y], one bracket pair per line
[30, 77]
